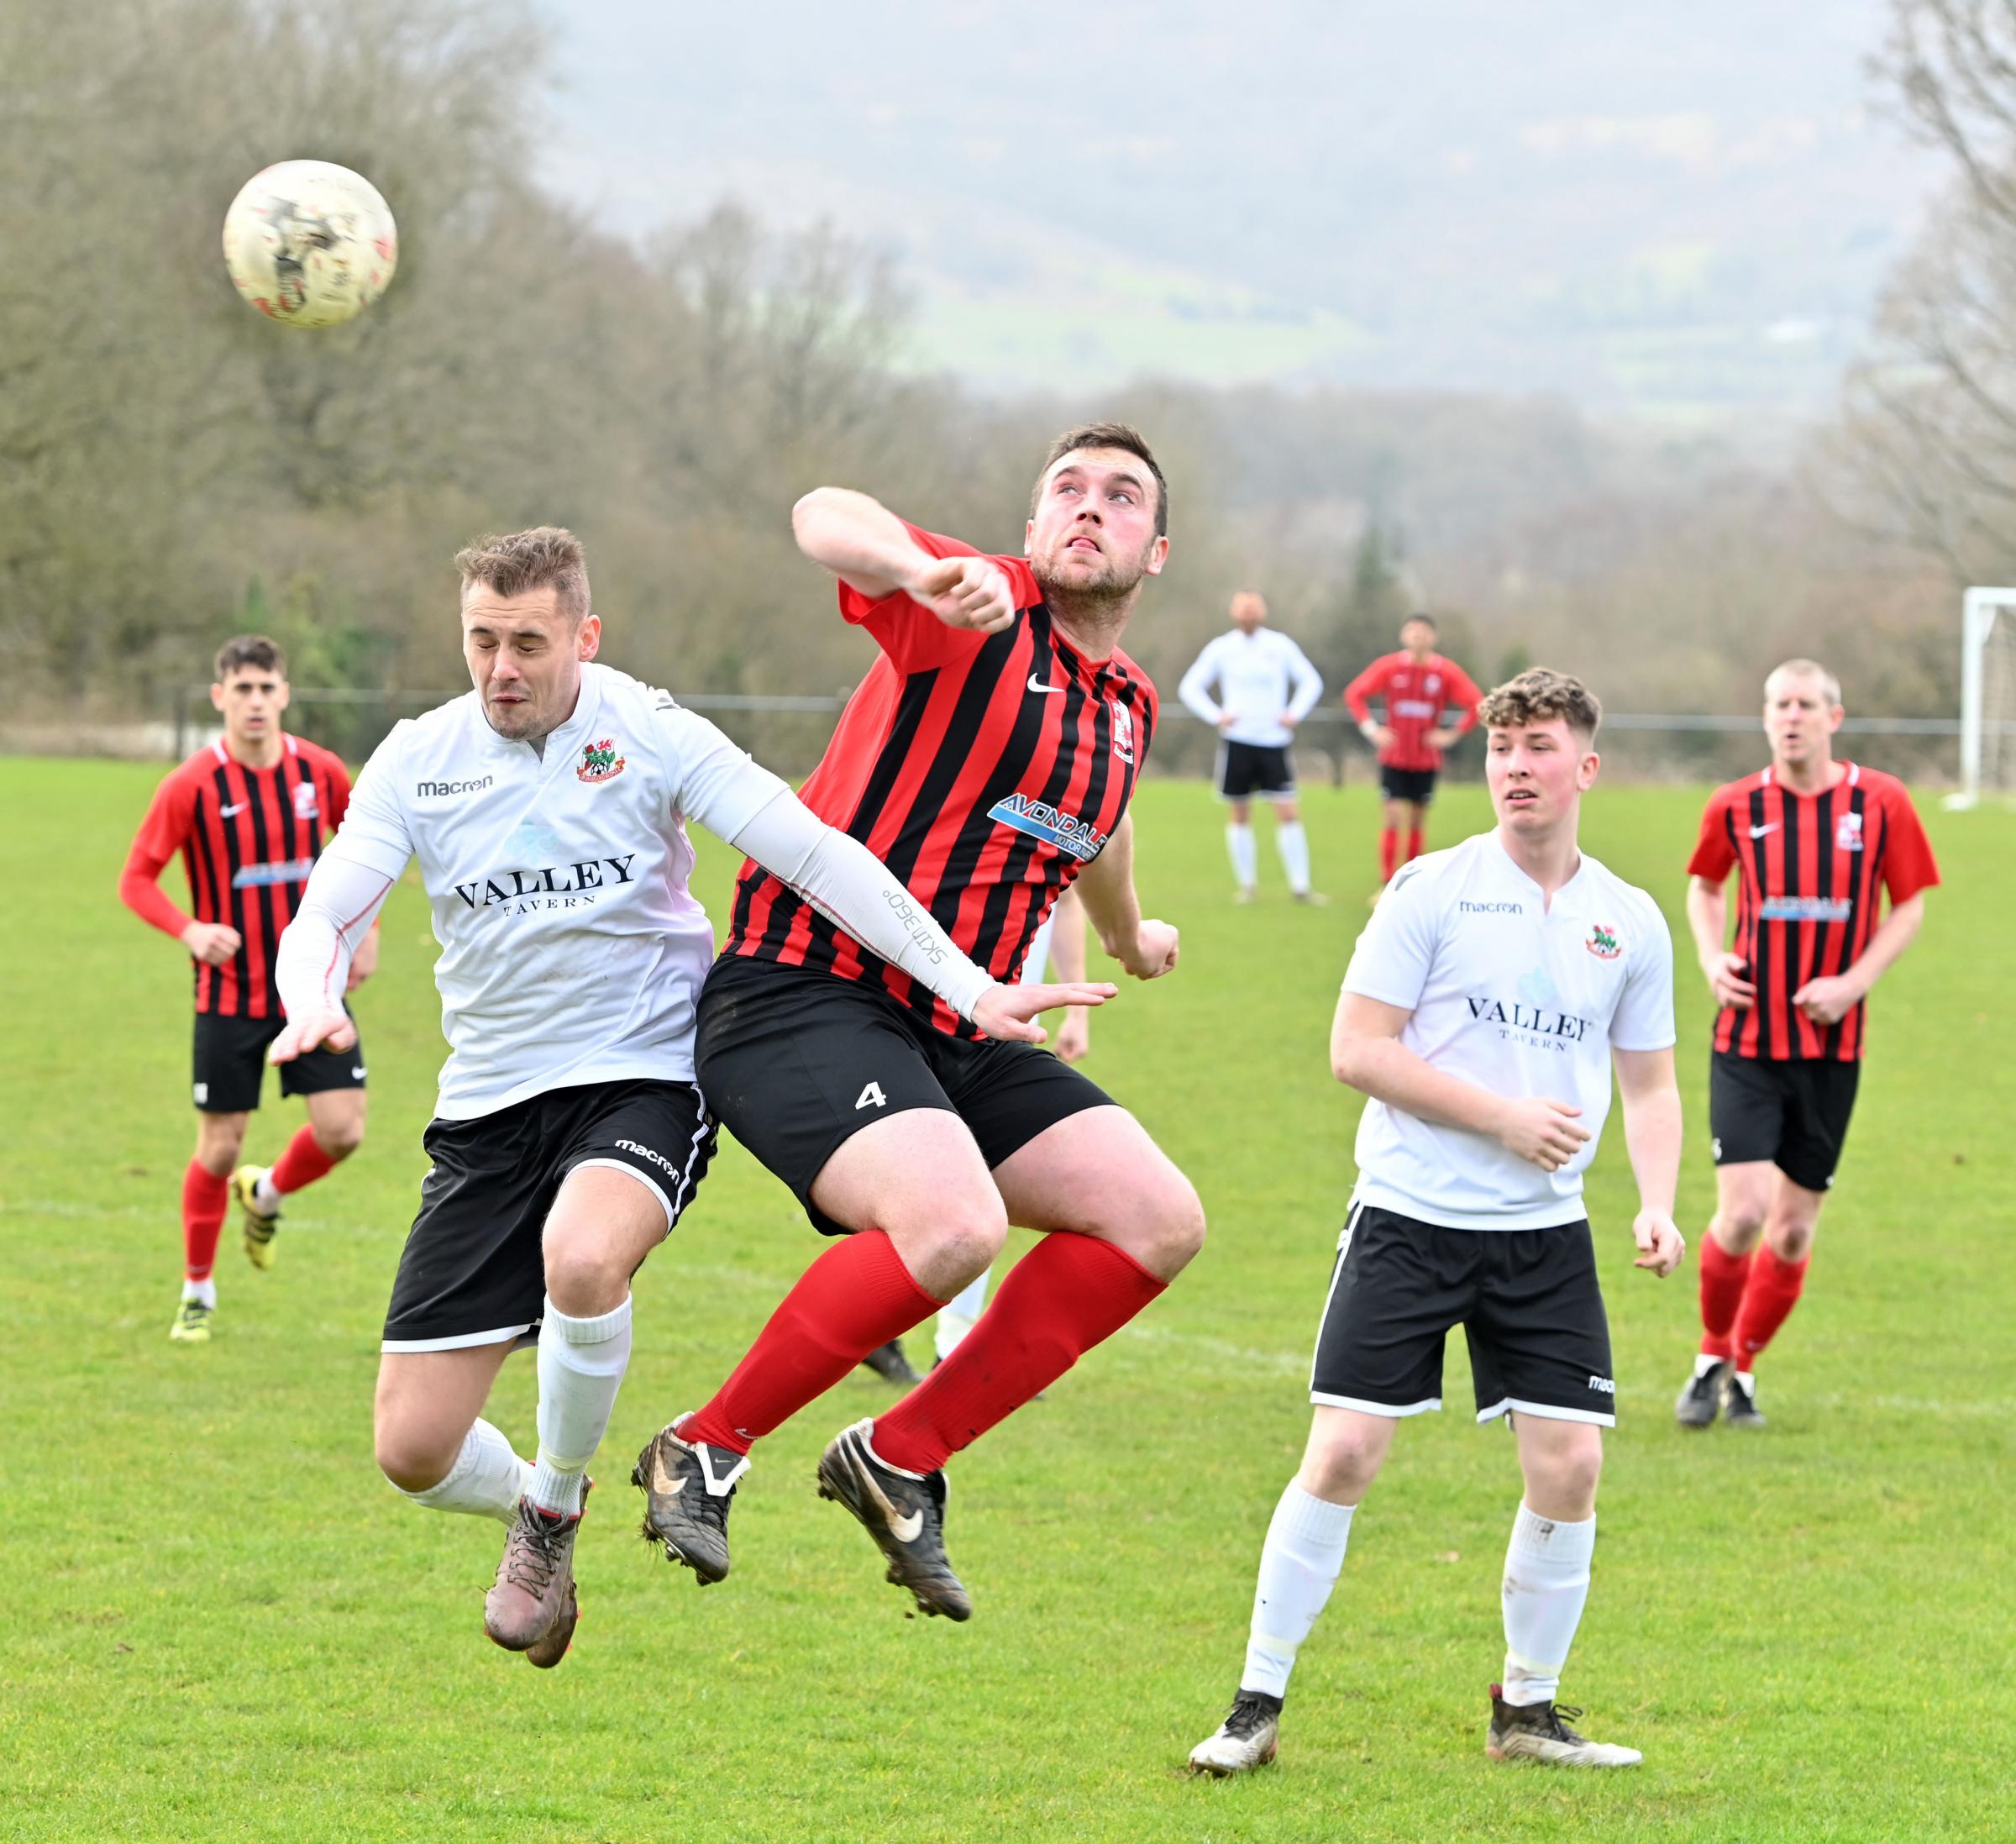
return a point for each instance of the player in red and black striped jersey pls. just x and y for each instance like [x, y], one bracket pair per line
[248, 815]
[1816, 844]
[989, 757]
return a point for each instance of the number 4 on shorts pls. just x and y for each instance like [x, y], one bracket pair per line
[872, 1094]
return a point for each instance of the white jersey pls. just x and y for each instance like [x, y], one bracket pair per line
[1518, 998]
[1258, 676]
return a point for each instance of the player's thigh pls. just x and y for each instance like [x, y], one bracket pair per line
[918, 1177]
[219, 1139]
[1344, 1451]
[1286, 813]
[426, 1403]
[337, 1115]
[1397, 1289]
[1561, 1462]
[1743, 1195]
[1539, 1334]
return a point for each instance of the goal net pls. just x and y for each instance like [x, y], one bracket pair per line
[1987, 696]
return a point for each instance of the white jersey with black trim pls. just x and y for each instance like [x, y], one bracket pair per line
[1258, 677]
[572, 950]
[1521, 998]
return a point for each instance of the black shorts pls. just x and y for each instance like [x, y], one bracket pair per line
[1791, 1111]
[473, 1271]
[797, 1062]
[1415, 785]
[229, 1066]
[1247, 769]
[1527, 1300]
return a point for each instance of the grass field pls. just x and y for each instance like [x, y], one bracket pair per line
[229, 1626]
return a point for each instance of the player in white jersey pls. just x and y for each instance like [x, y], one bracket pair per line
[548, 808]
[1487, 1002]
[1265, 686]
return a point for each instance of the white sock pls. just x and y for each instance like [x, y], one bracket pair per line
[1293, 843]
[1246, 864]
[1703, 1363]
[266, 1194]
[204, 1290]
[486, 1480]
[1546, 1583]
[956, 1316]
[1299, 1566]
[581, 1365]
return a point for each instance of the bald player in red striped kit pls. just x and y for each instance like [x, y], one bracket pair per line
[987, 759]
[1815, 843]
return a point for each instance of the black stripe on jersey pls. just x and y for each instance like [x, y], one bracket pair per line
[264, 895]
[1823, 888]
[1785, 938]
[1760, 960]
[240, 987]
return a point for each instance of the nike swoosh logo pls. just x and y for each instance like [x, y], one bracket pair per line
[1758, 831]
[1056, 692]
[907, 1528]
[661, 1482]
[231, 812]
[356, 1075]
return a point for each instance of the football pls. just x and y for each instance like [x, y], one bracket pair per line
[310, 243]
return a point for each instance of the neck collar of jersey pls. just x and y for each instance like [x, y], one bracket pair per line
[1569, 894]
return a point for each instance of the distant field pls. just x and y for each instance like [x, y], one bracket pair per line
[228, 1627]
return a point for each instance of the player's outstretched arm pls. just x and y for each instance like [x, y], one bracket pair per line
[1652, 1136]
[312, 966]
[1827, 1001]
[1707, 921]
[1146, 948]
[1365, 1054]
[871, 551]
[847, 883]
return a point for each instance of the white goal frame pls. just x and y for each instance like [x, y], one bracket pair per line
[1980, 609]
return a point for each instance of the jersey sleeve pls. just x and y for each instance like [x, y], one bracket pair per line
[1644, 1017]
[1369, 684]
[162, 834]
[913, 638]
[1193, 689]
[1393, 958]
[1460, 691]
[1908, 865]
[339, 789]
[374, 832]
[1307, 681]
[1714, 852]
[712, 781]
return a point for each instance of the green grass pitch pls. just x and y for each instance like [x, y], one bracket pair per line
[225, 1624]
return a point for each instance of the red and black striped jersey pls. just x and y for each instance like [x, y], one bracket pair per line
[248, 838]
[986, 770]
[1807, 899]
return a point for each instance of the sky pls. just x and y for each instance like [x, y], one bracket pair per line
[1680, 213]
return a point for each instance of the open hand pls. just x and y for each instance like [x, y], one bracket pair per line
[965, 592]
[1009, 1012]
[316, 1030]
[1660, 1246]
[1543, 1131]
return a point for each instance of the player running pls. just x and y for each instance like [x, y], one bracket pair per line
[1812, 839]
[547, 810]
[1419, 687]
[988, 757]
[1266, 686]
[249, 815]
[1485, 1006]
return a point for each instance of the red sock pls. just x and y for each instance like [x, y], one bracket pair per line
[857, 1296]
[204, 1198]
[1724, 1277]
[1773, 1291]
[1416, 840]
[303, 1162]
[1067, 1294]
[1389, 854]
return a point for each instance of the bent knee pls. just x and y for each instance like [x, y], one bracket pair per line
[968, 1239]
[583, 1278]
[1790, 1240]
[1162, 1228]
[411, 1461]
[339, 1142]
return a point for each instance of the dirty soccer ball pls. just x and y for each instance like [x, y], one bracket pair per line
[310, 243]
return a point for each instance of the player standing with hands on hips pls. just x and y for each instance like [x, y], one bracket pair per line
[1487, 1003]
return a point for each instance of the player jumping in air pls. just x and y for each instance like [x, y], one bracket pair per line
[988, 757]
[1265, 687]
[250, 814]
[548, 811]
[1812, 839]
[1487, 1002]
[1418, 687]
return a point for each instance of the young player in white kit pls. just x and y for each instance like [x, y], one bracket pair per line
[1488, 998]
[1266, 686]
[547, 808]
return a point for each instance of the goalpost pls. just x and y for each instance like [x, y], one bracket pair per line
[1988, 694]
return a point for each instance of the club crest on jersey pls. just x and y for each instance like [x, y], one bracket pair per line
[304, 801]
[1848, 832]
[1603, 942]
[1040, 820]
[1123, 732]
[600, 762]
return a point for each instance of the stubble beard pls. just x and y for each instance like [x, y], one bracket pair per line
[1096, 604]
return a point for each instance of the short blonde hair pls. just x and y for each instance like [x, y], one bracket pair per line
[1803, 668]
[547, 556]
[1538, 694]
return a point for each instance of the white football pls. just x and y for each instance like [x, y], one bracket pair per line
[310, 243]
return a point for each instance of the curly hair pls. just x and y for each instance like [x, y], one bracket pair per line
[1537, 695]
